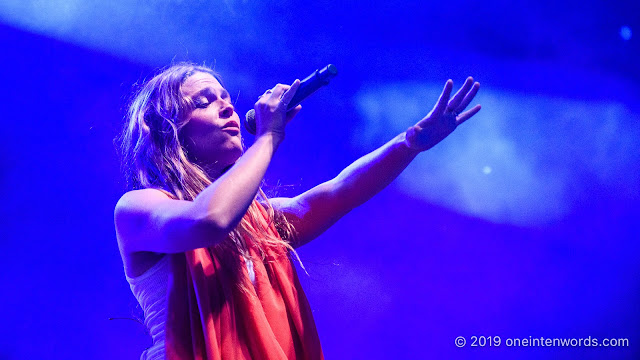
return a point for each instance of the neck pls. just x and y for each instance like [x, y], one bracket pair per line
[213, 171]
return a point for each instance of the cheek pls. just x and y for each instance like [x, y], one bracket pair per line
[204, 138]
[195, 131]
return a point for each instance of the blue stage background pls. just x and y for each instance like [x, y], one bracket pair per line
[523, 223]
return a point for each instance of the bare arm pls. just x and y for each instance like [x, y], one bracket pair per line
[148, 220]
[314, 211]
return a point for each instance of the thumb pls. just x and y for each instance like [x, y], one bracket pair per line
[292, 113]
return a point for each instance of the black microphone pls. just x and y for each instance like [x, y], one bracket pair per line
[308, 86]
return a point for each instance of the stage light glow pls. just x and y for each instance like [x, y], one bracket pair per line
[148, 32]
[533, 140]
[625, 33]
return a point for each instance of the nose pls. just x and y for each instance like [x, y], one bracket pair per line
[226, 111]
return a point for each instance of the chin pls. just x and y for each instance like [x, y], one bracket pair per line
[234, 154]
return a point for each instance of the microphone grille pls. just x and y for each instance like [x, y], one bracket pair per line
[250, 122]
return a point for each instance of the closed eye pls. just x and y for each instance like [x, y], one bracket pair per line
[202, 104]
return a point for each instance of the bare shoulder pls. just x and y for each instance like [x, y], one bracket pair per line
[139, 199]
[138, 203]
[279, 202]
[312, 212]
[132, 214]
[150, 220]
[133, 211]
[290, 207]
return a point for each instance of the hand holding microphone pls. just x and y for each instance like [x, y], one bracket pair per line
[271, 110]
[307, 87]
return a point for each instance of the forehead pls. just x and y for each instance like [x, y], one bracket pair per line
[198, 82]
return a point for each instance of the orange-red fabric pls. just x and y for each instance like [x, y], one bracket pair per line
[210, 318]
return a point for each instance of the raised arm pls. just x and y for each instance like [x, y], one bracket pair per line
[148, 220]
[314, 211]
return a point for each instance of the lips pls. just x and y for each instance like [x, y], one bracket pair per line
[231, 125]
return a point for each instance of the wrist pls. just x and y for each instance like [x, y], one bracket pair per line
[270, 138]
[405, 138]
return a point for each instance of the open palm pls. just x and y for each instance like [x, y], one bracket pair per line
[446, 115]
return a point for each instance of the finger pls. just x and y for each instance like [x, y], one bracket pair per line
[467, 114]
[441, 105]
[293, 112]
[288, 95]
[267, 92]
[468, 98]
[278, 91]
[457, 98]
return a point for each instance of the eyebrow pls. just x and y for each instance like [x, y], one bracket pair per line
[208, 90]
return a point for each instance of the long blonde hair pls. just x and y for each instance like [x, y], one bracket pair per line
[153, 157]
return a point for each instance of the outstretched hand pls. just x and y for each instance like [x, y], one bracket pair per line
[446, 115]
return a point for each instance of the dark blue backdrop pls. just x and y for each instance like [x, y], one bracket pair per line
[521, 224]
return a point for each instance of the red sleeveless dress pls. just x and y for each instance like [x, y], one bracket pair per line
[210, 318]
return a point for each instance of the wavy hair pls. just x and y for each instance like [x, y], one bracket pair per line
[154, 157]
